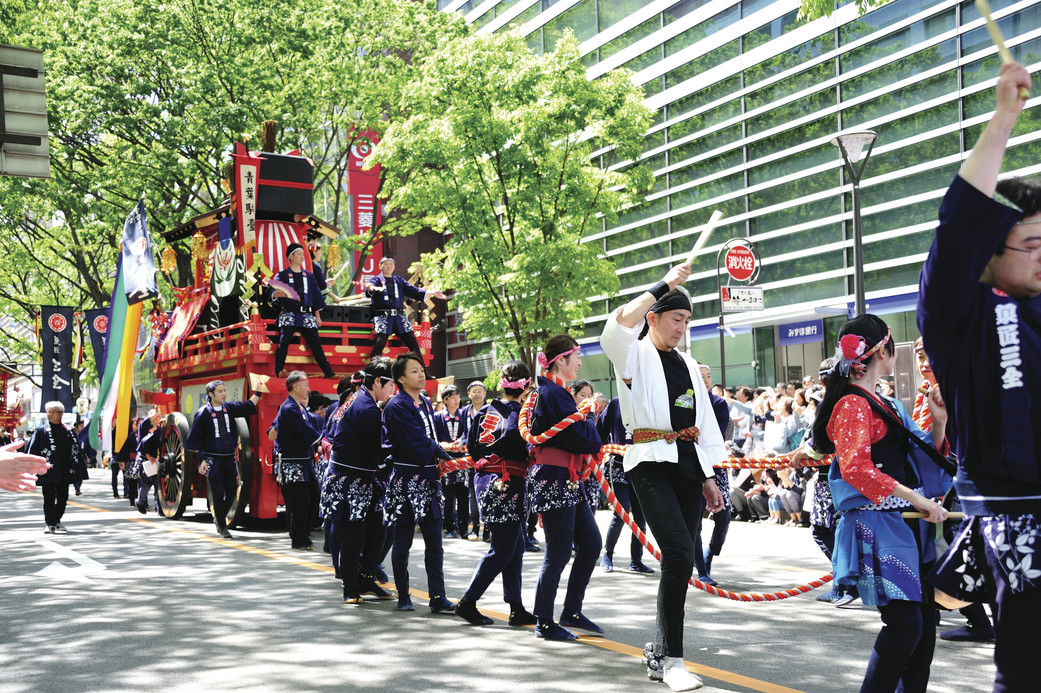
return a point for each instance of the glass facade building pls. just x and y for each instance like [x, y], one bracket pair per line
[747, 99]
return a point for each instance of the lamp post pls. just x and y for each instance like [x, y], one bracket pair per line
[855, 148]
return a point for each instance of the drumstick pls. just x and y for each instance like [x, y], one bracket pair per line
[918, 516]
[703, 238]
[983, 7]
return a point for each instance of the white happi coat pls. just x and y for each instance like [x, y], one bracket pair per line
[645, 404]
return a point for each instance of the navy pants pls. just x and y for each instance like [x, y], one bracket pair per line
[301, 499]
[433, 557]
[310, 336]
[904, 647]
[457, 507]
[1015, 629]
[357, 547]
[672, 505]
[720, 527]
[114, 466]
[631, 503]
[566, 528]
[224, 486]
[144, 485]
[505, 556]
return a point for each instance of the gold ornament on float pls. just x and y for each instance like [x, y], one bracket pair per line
[168, 260]
[199, 253]
[332, 256]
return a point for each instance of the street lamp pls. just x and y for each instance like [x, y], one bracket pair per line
[855, 148]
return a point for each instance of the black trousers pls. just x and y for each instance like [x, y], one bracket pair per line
[457, 507]
[358, 547]
[223, 488]
[671, 504]
[301, 499]
[407, 338]
[310, 335]
[631, 503]
[1015, 635]
[55, 496]
[904, 647]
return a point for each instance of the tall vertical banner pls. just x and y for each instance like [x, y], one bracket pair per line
[365, 211]
[138, 258]
[97, 328]
[56, 332]
[247, 170]
[105, 410]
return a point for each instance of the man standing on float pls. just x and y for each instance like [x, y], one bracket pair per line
[388, 294]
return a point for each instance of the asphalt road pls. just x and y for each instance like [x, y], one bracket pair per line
[127, 602]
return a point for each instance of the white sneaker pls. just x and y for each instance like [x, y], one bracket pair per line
[60, 529]
[844, 599]
[676, 676]
[49, 529]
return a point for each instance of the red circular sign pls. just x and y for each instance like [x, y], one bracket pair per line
[101, 324]
[740, 263]
[57, 322]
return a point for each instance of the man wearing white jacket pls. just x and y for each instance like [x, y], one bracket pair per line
[676, 442]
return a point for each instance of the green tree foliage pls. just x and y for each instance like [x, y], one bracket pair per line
[496, 155]
[147, 97]
[815, 9]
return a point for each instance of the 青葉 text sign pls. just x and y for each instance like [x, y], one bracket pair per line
[737, 299]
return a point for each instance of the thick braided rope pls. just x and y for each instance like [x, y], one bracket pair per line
[714, 591]
[454, 465]
[779, 462]
[524, 421]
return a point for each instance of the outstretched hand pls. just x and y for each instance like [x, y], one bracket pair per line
[18, 470]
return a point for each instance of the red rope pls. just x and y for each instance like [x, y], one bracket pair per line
[714, 591]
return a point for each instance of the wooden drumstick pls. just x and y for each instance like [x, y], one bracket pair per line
[703, 238]
[983, 7]
[917, 515]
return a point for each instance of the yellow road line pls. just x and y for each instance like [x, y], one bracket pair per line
[595, 641]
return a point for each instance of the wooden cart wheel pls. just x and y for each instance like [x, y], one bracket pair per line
[175, 467]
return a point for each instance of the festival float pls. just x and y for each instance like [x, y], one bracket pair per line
[223, 327]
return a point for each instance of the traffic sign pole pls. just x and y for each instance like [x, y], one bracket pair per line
[742, 264]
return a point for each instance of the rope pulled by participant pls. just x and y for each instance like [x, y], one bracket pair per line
[714, 591]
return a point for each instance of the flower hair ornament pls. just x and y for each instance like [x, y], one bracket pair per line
[545, 363]
[853, 351]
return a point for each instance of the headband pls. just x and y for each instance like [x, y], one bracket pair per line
[213, 385]
[671, 301]
[545, 363]
[853, 352]
[518, 384]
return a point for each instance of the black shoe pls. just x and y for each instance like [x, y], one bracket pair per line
[576, 620]
[531, 545]
[639, 567]
[519, 616]
[466, 609]
[552, 631]
[440, 604]
[351, 598]
[115, 495]
[367, 585]
[224, 533]
[141, 508]
[969, 634]
[486, 536]
[380, 575]
[405, 603]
